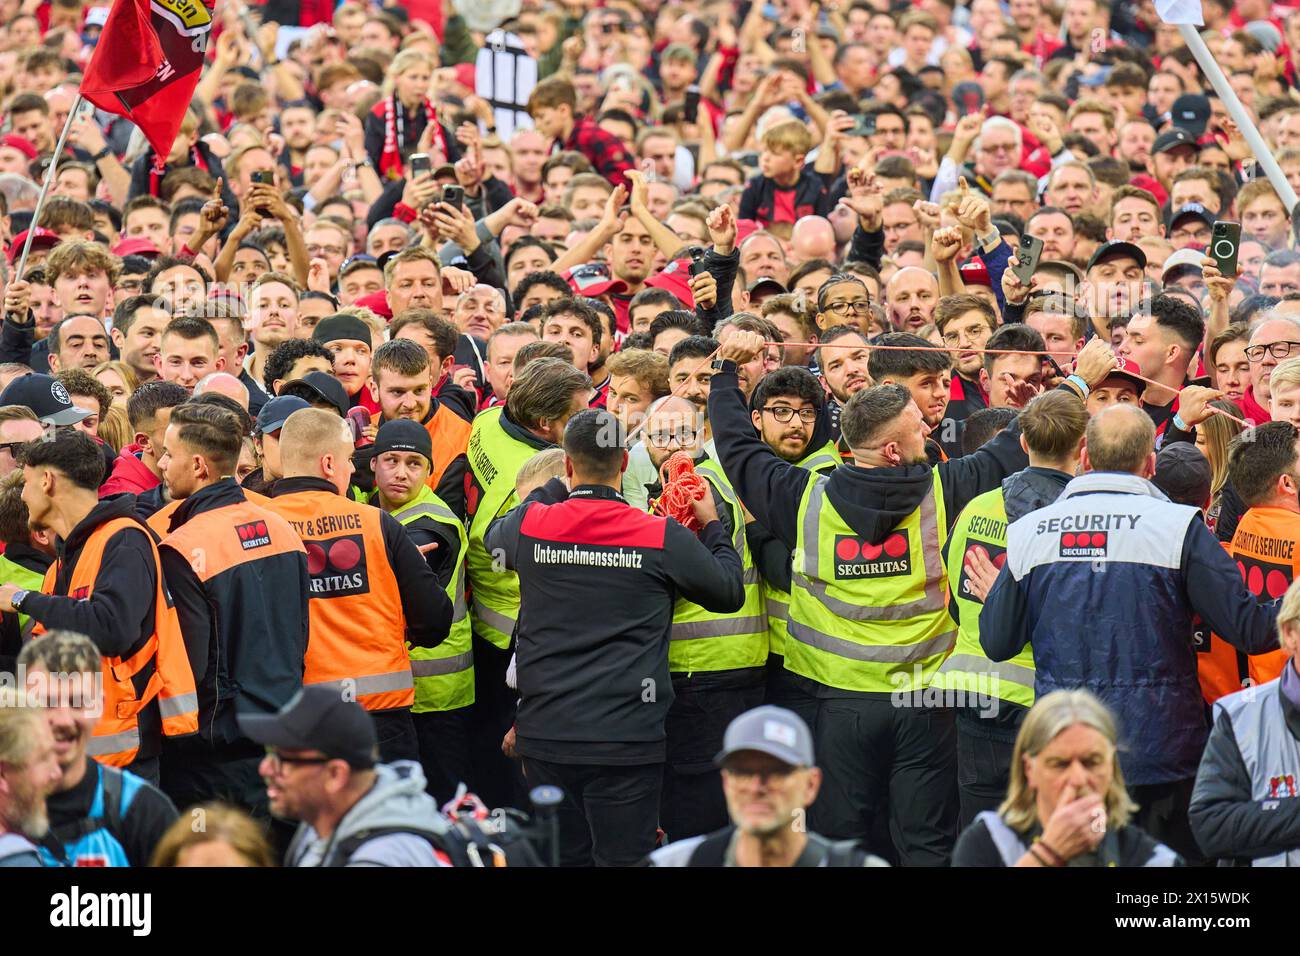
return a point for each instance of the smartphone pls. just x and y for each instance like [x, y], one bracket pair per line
[697, 260]
[1031, 250]
[420, 163]
[453, 196]
[358, 421]
[864, 124]
[1224, 242]
[267, 178]
[691, 112]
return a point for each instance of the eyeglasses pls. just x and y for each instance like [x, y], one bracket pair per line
[12, 446]
[279, 761]
[783, 413]
[745, 775]
[324, 250]
[1005, 148]
[857, 306]
[664, 439]
[1279, 350]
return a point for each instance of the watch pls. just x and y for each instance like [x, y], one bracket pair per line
[723, 365]
[18, 598]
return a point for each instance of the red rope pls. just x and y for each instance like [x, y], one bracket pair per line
[681, 486]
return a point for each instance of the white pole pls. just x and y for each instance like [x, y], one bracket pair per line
[1239, 115]
[45, 186]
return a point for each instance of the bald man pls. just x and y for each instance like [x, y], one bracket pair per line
[911, 294]
[371, 590]
[672, 424]
[223, 383]
[813, 237]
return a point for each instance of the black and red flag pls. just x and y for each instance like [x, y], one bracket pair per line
[147, 62]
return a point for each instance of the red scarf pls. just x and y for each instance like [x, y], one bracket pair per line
[390, 161]
[158, 169]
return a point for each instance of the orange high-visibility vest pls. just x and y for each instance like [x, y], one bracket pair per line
[450, 435]
[160, 521]
[116, 740]
[1266, 547]
[358, 631]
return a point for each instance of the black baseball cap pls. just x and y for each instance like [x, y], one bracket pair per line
[1191, 112]
[319, 387]
[1183, 474]
[402, 434]
[317, 718]
[1172, 139]
[1115, 248]
[766, 284]
[277, 411]
[334, 328]
[46, 397]
[1189, 210]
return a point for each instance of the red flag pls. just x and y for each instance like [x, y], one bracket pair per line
[147, 63]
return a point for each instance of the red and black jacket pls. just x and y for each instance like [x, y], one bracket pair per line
[766, 202]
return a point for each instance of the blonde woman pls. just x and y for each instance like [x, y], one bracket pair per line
[1212, 438]
[227, 837]
[1066, 805]
[119, 378]
[404, 120]
[1253, 758]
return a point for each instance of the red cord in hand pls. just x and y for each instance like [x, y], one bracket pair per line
[681, 486]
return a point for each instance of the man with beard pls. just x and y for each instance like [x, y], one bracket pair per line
[672, 424]
[926, 373]
[272, 318]
[689, 371]
[1113, 283]
[965, 321]
[911, 294]
[1163, 343]
[28, 774]
[844, 370]
[133, 813]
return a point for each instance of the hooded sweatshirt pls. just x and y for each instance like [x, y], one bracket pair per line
[130, 474]
[396, 802]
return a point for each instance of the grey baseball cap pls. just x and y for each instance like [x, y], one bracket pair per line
[775, 731]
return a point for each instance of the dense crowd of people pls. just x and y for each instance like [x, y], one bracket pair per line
[803, 433]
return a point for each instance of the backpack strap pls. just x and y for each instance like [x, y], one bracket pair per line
[57, 838]
[340, 853]
[712, 850]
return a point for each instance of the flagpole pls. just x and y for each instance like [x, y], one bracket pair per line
[45, 186]
[1225, 92]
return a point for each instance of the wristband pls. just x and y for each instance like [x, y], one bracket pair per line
[1080, 383]
[1033, 851]
[104, 153]
[405, 213]
[1060, 860]
[1181, 425]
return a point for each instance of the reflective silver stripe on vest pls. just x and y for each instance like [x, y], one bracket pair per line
[179, 705]
[719, 627]
[424, 509]
[776, 609]
[502, 622]
[878, 653]
[817, 587]
[114, 743]
[819, 461]
[1003, 670]
[373, 683]
[1270, 754]
[443, 665]
[751, 575]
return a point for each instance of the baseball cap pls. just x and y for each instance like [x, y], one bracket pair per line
[1180, 260]
[1172, 139]
[975, 272]
[446, 169]
[767, 285]
[678, 51]
[277, 411]
[1191, 112]
[335, 328]
[402, 434]
[775, 731]
[319, 387]
[1189, 210]
[317, 718]
[1266, 33]
[592, 279]
[1115, 248]
[1183, 474]
[46, 396]
[1151, 185]
[136, 247]
[20, 143]
[969, 96]
[41, 238]
[1128, 370]
[96, 16]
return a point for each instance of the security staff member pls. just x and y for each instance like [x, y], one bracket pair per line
[1242, 806]
[107, 584]
[868, 626]
[992, 698]
[371, 592]
[444, 675]
[543, 396]
[238, 575]
[1115, 552]
[787, 409]
[28, 555]
[594, 694]
[1265, 547]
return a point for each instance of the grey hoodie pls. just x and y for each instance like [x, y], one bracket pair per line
[396, 801]
[17, 850]
[1032, 488]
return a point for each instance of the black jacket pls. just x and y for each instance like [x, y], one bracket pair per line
[18, 344]
[119, 615]
[456, 399]
[245, 625]
[811, 198]
[595, 689]
[1228, 819]
[257, 396]
[424, 604]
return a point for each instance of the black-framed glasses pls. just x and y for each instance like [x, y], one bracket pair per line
[857, 306]
[784, 413]
[12, 447]
[1279, 350]
[279, 760]
[683, 437]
